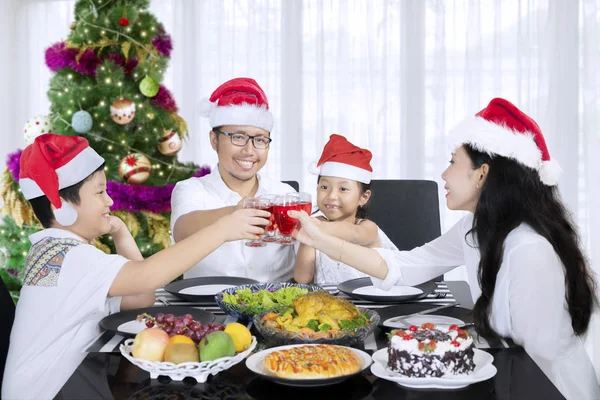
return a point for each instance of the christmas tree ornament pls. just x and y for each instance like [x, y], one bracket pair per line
[148, 87]
[124, 21]
[82, 121]
[135, 168]
[122, 111]
[150, 115]
[73, 26]
[37, 126]
[169, 143]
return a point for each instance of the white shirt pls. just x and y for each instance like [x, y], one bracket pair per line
[329, 272]
[272, 263]
[529, 298]
[63, 298]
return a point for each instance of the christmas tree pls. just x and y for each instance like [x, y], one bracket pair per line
[107, 87]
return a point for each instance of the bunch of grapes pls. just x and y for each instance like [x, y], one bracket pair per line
[185, 325]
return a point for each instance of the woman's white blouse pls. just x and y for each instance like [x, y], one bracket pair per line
[529, 298]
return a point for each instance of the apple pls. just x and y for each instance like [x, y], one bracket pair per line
[150, 344]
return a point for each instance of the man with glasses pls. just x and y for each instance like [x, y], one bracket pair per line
[241, 122]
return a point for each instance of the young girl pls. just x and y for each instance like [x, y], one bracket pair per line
[527, 272]
[342, 193]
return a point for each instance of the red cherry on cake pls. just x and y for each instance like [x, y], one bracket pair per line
[455, 343]
[413, 328]
[400, 333]
[407, 337]
[453, 327]
[428, 325]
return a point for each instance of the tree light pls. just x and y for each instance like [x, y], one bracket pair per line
[107, 80]
[110, 147]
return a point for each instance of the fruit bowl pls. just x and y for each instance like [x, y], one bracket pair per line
[177, 372]
[244, 312]
[344, 338]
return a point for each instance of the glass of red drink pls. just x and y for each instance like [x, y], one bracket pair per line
[285, 223]
[304, 202]
[270, 235]
[259, 204]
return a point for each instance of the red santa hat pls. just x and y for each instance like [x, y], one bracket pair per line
[342, 159]
[54, 162]
[239, 101]
[502, 129]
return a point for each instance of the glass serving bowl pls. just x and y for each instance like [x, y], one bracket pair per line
[245, 313]
[344, 338]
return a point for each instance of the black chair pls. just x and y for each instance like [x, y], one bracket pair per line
[407, 211]
[7, 316]
[293, 184]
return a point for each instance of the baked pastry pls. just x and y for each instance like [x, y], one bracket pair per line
[431, 351]
[312, 362]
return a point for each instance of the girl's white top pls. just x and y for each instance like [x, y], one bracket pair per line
[330, 272]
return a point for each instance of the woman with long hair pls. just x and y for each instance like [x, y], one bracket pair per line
[528, 275]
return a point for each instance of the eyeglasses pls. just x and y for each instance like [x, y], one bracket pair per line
[259, 142]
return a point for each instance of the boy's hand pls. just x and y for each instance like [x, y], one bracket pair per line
[246, 223]
[116, 225]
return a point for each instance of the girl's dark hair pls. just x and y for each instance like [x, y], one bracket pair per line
[511, 195]
[41, 205]
[362, 212]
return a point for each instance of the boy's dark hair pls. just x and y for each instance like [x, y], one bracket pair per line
[42, 207]
[361, 211]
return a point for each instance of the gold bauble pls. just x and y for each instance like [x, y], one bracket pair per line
[135, 168]
[169, 143]
[122, 111]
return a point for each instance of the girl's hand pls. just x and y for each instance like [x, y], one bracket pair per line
[309, 232]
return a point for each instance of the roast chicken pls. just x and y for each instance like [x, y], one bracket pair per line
[325, 308]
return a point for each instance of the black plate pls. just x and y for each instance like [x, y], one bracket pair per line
[349, 286]
[176, 287]
[386, 313]
[113, 321]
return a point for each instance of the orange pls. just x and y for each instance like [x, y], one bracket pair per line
[180, 339]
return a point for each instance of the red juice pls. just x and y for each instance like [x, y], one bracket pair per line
[307, 207]
[273, 225]
[285, 223]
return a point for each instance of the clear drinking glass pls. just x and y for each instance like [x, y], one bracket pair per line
[258, 204]
[270, 235]
[285, 223]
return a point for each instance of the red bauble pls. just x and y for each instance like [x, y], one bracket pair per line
[124, 22]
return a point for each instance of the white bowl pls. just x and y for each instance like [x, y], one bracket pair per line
[197, 370]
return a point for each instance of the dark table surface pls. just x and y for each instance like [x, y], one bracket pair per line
[108, 375]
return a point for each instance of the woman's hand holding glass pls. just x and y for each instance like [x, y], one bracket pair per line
[309, 230]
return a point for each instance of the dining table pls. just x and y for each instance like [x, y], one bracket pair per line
[106, 374]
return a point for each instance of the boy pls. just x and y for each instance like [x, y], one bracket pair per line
[70, 285]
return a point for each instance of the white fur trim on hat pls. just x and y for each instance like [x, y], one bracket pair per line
[206, 107]
[76, 170]
[242, 114]
[492, 138]
[66, 215]
[347, 171]
[550, 172]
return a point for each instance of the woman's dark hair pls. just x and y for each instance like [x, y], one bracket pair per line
[511, 195]
[41, 205]
[362, 212]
